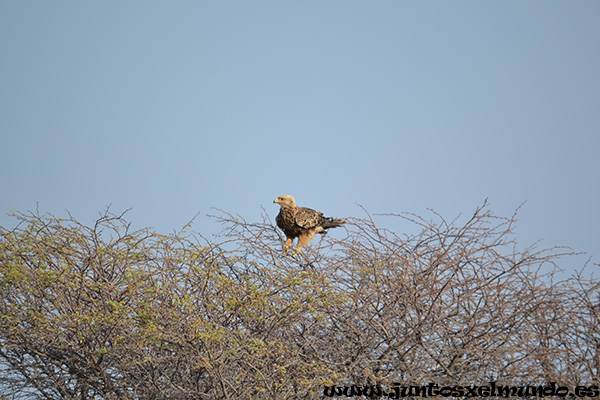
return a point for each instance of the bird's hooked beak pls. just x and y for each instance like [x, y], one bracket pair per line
[275, 201]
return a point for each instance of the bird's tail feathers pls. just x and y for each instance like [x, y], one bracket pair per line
[332, 223]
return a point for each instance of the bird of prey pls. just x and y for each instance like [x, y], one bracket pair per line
[301, 222]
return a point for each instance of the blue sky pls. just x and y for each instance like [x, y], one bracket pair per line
[171, 108]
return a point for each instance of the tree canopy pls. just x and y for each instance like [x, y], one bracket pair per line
[107, 312]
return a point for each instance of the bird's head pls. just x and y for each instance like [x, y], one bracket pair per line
[285, 201]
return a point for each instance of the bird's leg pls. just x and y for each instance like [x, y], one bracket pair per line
[287, 246]
[303, 241]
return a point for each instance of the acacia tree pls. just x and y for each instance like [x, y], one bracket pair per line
[106, 312]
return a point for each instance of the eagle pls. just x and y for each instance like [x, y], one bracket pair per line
[301, 222]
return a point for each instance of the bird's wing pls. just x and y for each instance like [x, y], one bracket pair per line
[308, 218]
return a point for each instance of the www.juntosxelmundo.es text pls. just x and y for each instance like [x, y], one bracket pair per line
[492, 389]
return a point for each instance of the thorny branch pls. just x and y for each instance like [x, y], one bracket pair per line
[107, 312]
